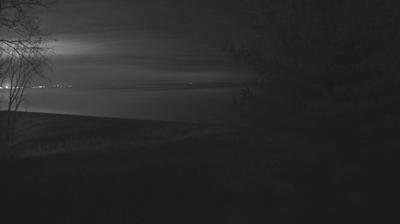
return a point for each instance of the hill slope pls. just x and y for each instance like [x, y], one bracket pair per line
[73, 169]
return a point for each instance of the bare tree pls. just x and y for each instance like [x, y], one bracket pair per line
[22, 52]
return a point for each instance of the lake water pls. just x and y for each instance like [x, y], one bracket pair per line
[213, 105]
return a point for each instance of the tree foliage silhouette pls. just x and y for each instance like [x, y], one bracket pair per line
[330, 59]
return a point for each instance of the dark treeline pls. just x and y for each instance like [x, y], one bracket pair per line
[325, 64]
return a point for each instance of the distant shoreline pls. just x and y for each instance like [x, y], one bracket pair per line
[155, 87]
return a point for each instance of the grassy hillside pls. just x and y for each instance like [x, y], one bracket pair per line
[44, 134]
[73, 169]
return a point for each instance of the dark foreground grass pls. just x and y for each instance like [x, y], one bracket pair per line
[71, 169]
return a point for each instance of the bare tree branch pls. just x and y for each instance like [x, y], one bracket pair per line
[22, 51]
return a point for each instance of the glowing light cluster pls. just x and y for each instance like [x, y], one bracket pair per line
[9, 87]
[38, 87]
[6, 86]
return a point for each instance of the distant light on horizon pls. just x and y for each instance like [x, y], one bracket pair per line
[38, 87]
[9, 87]
[6, 86]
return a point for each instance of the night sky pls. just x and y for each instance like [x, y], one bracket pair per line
[102, 42]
